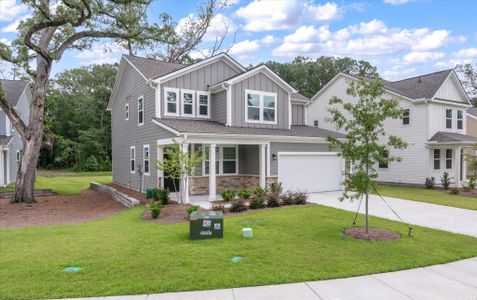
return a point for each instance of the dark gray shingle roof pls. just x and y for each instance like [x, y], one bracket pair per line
[299, 96]
[13, 89]
[472, 111]
[423, 86]
[450, 137]
[5, 140]
[201, 126]
[153, 68]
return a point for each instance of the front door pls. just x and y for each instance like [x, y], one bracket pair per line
[172, 184]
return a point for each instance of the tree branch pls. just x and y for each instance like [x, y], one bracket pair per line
[14, 117]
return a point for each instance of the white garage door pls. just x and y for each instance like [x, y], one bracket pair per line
[310, 172]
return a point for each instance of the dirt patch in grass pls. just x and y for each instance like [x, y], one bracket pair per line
[373, 234]
[170, 213]
[50, 210]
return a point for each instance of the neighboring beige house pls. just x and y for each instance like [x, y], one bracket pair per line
[471, 130]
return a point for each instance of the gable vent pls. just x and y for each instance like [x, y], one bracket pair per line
[315, 123]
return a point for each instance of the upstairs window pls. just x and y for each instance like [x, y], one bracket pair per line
[384, 164]
[132, 155]
[260, 107]
[146, 159]
[460, 119]
[406, 117]
[203, 104]
[187, 103]
[437, 159]
[449, 118]
[448, 158]
[171, 103]
[126, 111]
[140, 110]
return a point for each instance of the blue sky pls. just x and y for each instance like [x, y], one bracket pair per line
[401, 37]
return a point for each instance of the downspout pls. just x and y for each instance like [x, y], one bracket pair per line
[155, 87]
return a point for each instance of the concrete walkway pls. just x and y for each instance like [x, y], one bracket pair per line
[446, 218]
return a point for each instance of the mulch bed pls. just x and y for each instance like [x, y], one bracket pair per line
[462, 192]
[50, 210]
[170, 213]
[374, 234]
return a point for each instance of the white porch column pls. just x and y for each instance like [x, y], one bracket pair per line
[212, 175]
[263, 149]
[160, 173]
[185, 183]
[457, 166]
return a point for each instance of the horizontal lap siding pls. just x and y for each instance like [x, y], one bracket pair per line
[200, 80]
[23, 106]
[128, 133]
[259, 82]
[293, 147]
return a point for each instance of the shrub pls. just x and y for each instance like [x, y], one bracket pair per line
[238, 206]
[244, 193]
[454, 191]
[446, 180]
[257, 203]
[300, 198]
[192, 208]
[161, 195]
[260, 192]
[430, 182]
[276, 188]
[273, 200]
[218, 207]
[228, 194]
[288, 199]
[155, 208]
[472, 182]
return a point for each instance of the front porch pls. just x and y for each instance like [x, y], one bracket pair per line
[235, 164]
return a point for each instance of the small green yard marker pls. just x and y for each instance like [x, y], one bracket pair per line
[236, 259]
[71, 269]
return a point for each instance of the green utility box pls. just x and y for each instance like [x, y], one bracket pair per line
[149, 193]
[206, 225]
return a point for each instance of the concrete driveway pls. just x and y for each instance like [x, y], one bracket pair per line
[446, 218]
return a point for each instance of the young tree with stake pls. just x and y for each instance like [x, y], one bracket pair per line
[366, 143]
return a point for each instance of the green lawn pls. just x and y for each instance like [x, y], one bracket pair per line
[430, 196]
[124, 255]
[68, 183]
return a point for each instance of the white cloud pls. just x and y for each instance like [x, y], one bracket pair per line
[229, 2]
[245, 48]
[219, 26]
[397, 2]
[422, 57]
[100, 54]
[268, 39]
[463, 56]
[398, 72]
[6, 42]
[9, 10]
[276, 15]
[466, 53]
[364, 39]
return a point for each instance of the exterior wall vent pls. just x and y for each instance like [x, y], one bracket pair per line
[315, 123]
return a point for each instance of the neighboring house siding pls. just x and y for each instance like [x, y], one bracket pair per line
[200, 79]
[293, 147]
[219, 107]
[259, 82]
[472, 126]
[298, 114]
[23, 107]
[450, 90]
[127, 133]
[249, 159]
[438, 120]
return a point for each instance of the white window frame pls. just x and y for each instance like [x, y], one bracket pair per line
[178, 99]
[438, 159]
[460, 119]
[148, 159]
[132, 150]
[8, 126]
[192, 92]
[19, 156]
[408, 116]
[261, 107]
[447, 118]
[140, 111]
[126, 111]
[220, 159]
[202, 93]
[447, 159]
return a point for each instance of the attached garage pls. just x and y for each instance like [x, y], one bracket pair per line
[310, 171]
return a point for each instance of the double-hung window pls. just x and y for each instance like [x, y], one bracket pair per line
[203, 104]
[126, 111]
[448, 158]
[146, 159]
[132, 157]
[460, 119]
[19, 156]
[406, 117]
[188, 103]
[226, 162]
[384, 164]
[261, 107]
[449, 118]
[437, 159]
[140, 110]
[171, 102]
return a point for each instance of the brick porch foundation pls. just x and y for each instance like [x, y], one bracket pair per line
[199, 185]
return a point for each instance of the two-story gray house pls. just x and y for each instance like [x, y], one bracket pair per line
[248, 125]
[18, 94]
